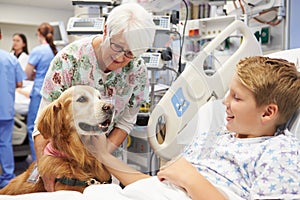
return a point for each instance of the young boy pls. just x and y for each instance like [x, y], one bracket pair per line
[254, 159]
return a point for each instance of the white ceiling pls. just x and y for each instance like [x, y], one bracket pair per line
[53, 4]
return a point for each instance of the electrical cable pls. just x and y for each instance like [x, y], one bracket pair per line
[242, 7]
[180, 38]
[151, 157]
[272, 22]
[180, 67]
[171, 69]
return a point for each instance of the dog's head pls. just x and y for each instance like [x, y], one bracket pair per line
[79, 111]
[78, 115]
[79, 107]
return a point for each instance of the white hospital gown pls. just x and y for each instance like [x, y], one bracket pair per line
[253, 168]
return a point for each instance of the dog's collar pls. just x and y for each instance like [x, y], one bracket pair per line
[75, 182]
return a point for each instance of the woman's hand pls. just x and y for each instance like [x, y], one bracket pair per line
[49, 183]
[39, 144]
[30, 72]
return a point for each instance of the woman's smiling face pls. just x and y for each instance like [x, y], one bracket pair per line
[113, 52]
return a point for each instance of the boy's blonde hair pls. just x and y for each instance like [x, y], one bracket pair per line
[272, 81]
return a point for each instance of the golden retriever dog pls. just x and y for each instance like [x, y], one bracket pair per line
[78, 112]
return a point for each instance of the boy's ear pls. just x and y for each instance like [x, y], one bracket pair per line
[271, 112]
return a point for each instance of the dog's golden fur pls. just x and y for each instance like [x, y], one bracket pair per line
[56, 123]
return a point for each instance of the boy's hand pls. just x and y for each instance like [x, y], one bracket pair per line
[177, 171]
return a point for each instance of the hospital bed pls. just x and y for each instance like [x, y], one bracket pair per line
[207, 114]
[193, 88]
[211, 116]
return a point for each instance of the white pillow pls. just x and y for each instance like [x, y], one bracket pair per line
[295, 126]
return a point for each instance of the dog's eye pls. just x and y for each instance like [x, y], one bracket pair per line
[82, 99]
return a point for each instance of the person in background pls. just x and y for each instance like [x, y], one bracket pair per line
[255, 158]
[20, 49]
[110, 63]
[12, 76]
[36, 69]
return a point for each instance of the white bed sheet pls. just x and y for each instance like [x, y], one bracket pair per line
[146, 189]
[59, 195]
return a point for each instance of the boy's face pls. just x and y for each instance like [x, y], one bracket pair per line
[243, 116]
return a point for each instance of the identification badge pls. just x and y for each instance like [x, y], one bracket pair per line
[34, 176]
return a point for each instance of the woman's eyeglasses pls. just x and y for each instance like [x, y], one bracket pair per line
[118, 48]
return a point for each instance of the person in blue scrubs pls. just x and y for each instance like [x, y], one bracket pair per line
[12, 75]
[38, 64]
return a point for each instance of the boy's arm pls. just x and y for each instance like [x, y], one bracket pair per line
[99, 146]
[124, 173]
[183, 174]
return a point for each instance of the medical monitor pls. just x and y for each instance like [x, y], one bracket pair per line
[60, 33]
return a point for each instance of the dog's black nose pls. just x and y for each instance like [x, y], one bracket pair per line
[108, 108]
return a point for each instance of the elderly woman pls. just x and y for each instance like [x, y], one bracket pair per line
[109, 63]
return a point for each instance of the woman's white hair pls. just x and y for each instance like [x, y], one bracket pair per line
[135, 23]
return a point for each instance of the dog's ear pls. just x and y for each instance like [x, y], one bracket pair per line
[50, 119]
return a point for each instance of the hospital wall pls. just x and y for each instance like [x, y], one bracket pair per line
[25, 19]
[294, 28]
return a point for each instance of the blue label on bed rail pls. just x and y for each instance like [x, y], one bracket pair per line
[180, 103]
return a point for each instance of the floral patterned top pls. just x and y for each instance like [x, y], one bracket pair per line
[76, 64]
